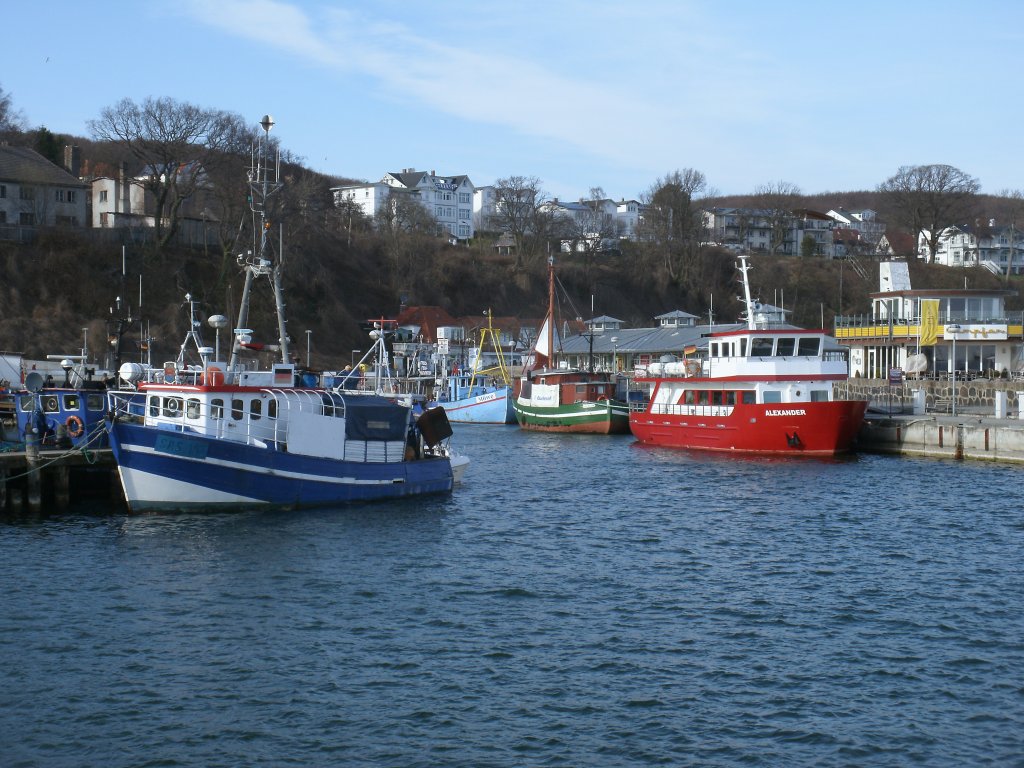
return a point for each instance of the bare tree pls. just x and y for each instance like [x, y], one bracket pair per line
[777, 202]
[517, 203]
[178, 145]
[12, 121]
[410, 237]
[1015, 200]
[930, 198]
[591, 229]
[673, 222]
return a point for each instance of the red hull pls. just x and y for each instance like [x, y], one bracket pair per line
[810, 429]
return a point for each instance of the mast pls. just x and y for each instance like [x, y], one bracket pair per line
[263, 183]
[551, 311]
[744, 268]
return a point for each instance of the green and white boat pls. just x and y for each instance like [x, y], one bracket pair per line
[553, 399]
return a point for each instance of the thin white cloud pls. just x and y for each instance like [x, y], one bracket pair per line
[598, 113]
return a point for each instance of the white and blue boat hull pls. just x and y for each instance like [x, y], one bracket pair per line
[163, 470]
[494, 407]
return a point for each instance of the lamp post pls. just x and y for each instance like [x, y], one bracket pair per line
[952, 331]
[309, 336]
[615, 354]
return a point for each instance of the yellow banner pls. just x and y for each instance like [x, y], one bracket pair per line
[929, 322]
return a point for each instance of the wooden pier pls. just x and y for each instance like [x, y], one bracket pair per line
[54, 477]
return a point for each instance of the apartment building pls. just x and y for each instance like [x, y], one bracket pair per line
[448, 199]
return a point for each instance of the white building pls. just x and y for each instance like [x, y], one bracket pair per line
[864, 221]
[119, 202]
[448, 199]
[997, 248]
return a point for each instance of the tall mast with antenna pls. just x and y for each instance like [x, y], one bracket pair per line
[744, 268]
[263, 183]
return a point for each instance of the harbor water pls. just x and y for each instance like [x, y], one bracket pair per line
[578, 601]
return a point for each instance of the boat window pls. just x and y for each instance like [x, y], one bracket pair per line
[272, 409]
[748, 397]
[237, 409]
[72, 402]
[50, 404]
[716, 397]
[256, 410]
[154, 405]
[27, 403]
[172, 407]
[217, 408]
[743, 347]
[819, 395]
[771, 396]
[95, 402]
[784, 347]
[702, 397]
[809, 346]
[688, 397]
[714, 349]
[192, 408]
[760, 347]
[730, 398]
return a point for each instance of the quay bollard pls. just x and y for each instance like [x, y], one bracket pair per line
[918, 398]
[35, 494]
[1000, 404]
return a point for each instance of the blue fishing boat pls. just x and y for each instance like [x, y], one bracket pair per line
[71, 414]
[483, 394]
[230, 435]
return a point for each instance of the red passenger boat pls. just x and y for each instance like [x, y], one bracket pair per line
[755, 390]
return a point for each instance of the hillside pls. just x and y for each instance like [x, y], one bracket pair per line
[62, 284]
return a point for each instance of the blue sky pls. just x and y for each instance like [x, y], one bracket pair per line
[579, 93]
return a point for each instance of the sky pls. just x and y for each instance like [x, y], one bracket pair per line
[580, 94]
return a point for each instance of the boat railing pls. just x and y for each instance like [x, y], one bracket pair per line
[676, 409]
[234, 420]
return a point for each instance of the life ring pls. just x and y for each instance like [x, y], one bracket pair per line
[75, 426]
[601, 399]
[213, 377]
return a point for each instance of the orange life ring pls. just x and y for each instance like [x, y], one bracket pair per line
[214, 377]
[75, 426]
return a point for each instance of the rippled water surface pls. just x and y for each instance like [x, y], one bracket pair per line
[579, 601]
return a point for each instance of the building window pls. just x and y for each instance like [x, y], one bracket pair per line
[3, 190]
[103, 195]
[26, 193]
[3, 217]
[58, 195]
[72, 196]
[27, 219]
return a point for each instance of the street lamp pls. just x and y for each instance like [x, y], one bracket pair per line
[952, 330]
[309, 336]
[615, 354]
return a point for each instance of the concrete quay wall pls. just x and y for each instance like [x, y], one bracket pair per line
[946, 437]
